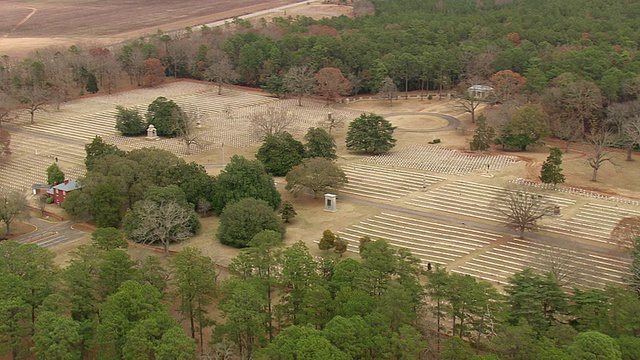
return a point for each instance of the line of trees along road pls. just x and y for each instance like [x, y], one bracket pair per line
[282, 303]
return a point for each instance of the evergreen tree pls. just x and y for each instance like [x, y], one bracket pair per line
[166, 116]
[484, 135]
[129, 121]
[92, 83]
[54, 175]
[320, 144]
[243, 178]
[242, 220]
[551, 172]
[287, 211]
[340, 246]
[370, 134]
[328, 240]
[279, 153]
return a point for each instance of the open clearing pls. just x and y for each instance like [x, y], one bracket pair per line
[436, 200]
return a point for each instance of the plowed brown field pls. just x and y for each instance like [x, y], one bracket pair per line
[29, 25]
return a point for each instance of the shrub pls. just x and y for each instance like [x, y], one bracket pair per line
[242, 220]
[49, 200]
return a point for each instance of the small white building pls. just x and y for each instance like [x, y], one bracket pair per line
[480, 91]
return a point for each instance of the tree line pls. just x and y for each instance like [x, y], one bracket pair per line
[438, 47]
[282, 303]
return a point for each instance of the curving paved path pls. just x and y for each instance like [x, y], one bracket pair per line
[452, 125]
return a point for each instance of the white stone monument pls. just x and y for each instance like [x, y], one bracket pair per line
[152, 133]
[330, 202]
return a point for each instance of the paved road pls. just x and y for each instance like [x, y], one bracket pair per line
[453, 124]
[50, 233]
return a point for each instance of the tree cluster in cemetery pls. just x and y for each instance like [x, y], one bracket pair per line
[166, 116]
[118, 180]
[527, 127]
[243, 178]
[241, 221]
[371, 134]
[284, 303]
[280, 152]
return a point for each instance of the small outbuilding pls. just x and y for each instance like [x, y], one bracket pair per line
[480, 91]
[330, 202]
[37, 189]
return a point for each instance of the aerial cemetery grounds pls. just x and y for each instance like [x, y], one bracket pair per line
[437, 200]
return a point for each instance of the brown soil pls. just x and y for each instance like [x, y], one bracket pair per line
[26, 26]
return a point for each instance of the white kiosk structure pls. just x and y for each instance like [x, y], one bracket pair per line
[330, 202]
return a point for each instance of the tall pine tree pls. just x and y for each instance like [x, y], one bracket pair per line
[484, 135]
[551, 172]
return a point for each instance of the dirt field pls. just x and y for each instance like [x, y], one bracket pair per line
[29, 25]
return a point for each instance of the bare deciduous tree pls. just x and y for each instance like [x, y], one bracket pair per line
[523, 209]
[59, 74]
[188, 131]
[388, 89]
[567, 129]
[333, 121]
[626, 231]
[104, 65]
[42, 203]
[625, 118]
[220, 69]
[220, 351]
[270, 122]
[571, 99]
[331, 83]
[363, 8]
[600, 151]
[556, 260]
[469, 103]
[7, 104]
[13, 206]
[203, 207]
[468, 100]
[300, 81]
[164, 223]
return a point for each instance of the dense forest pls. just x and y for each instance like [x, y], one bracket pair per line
[576, 66]
[282, 303]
